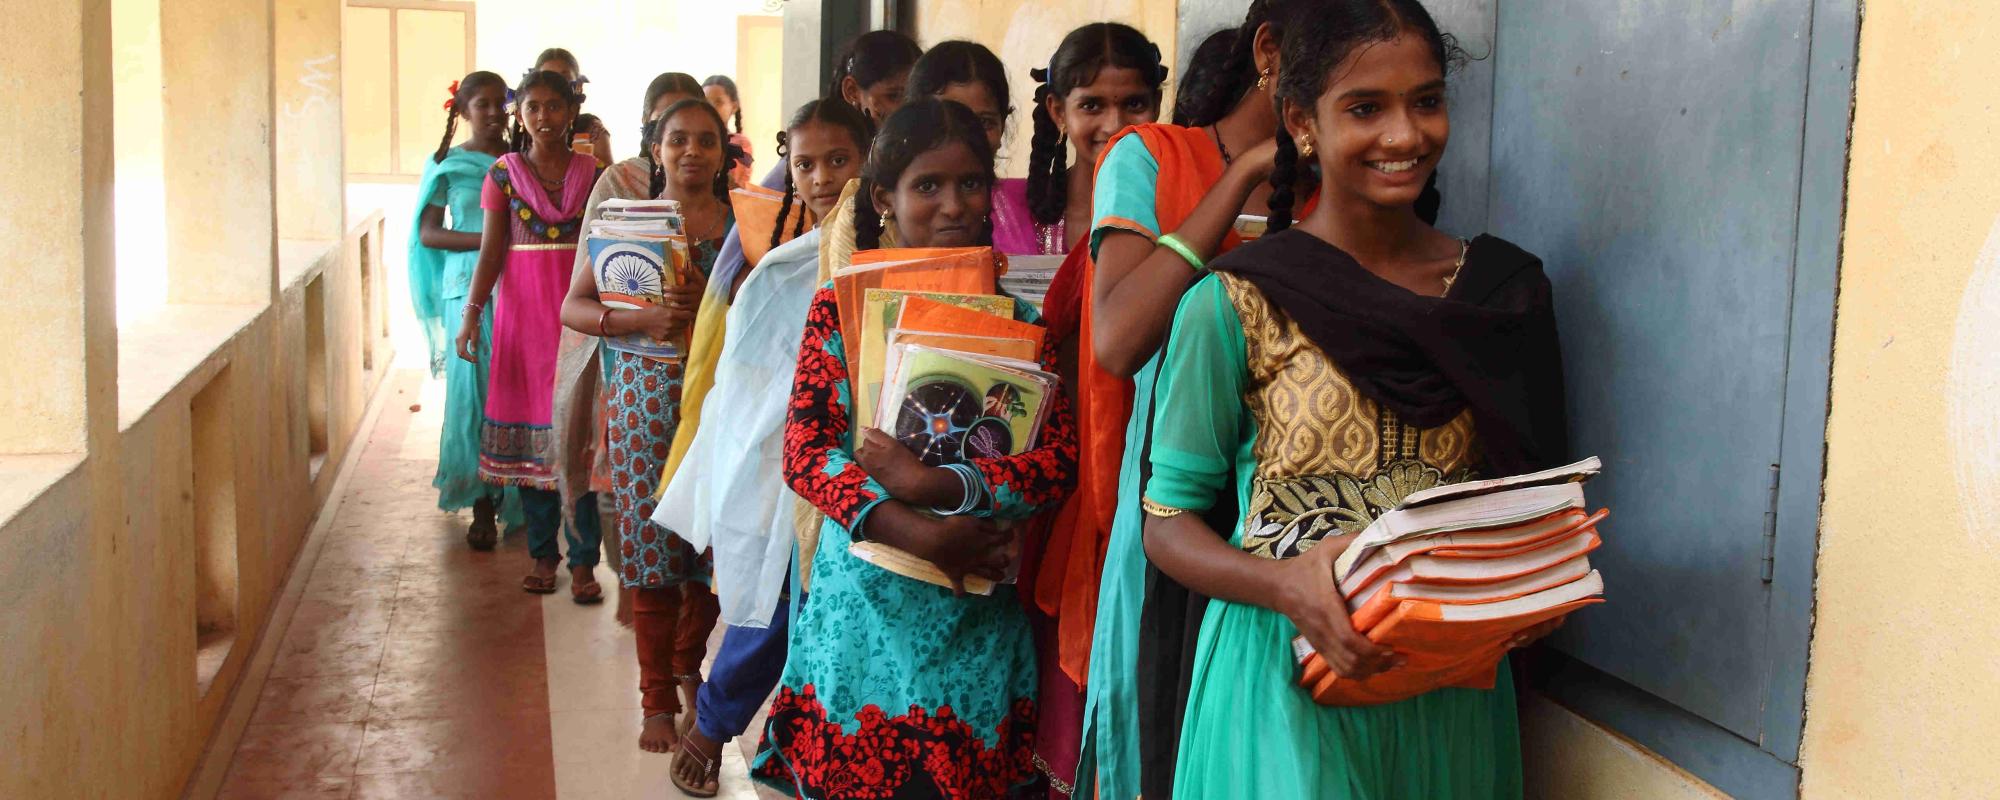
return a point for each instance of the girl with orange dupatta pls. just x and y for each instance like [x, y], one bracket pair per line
[1160, 190]
[1102, 79]
[534, 199]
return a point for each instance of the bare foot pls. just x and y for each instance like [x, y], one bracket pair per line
[656, 734]
[694, 766]
[624, 613]
[690, 690]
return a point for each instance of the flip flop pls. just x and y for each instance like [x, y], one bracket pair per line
[584, 590]
[711, 771]
[536, 584]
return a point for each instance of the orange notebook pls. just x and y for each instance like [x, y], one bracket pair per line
[757, 213]
[1463, 571]
[949, 270]
[925, 314]
[1375, 604]
[1445, 644]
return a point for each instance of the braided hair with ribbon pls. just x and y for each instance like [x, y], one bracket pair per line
[1076, 62]
[462, 91]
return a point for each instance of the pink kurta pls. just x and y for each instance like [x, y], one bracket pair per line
[516, 443]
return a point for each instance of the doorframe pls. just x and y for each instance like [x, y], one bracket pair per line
[465, 7]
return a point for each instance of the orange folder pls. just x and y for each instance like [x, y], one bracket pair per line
[757, 214]
[950, 270]
[925, 314]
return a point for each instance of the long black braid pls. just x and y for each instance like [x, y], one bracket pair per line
[920, 126]
[1315, 38]
[468, 87]
[832, 112]
[657, 130]
[1082, 54]
[1208, 75]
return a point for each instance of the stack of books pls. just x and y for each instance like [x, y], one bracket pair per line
[1453, 573]
[1028, 277]
[757, 210]
[941, 365]
[638, 249]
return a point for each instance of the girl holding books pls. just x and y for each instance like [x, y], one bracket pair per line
[721, 93]
[672, 609]
[893, 686]
[1317, 377]
[736, 499]
[534, 202]
[442, 257]
[1102, 79]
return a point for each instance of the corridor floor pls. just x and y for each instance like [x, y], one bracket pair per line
[414, 667]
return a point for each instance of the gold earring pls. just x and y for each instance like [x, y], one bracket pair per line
[1264, 79]
[1306, 148]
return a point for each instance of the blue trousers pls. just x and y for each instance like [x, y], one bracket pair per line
[543, 508]
[745, 670]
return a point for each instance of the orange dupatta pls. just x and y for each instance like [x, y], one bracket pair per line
[1066, 587]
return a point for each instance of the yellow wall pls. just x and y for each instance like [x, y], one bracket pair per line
[1901, 700]
[1024, 33]
[102, 692]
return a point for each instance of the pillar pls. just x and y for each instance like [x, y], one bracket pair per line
[310, 175]
[58, 341]
[216, 106]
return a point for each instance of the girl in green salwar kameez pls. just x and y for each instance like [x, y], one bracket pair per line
[442, 255]
[1334, 368]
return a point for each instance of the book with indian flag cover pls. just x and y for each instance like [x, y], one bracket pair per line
[1451, 575]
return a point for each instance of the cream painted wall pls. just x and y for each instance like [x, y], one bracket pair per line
[1901, 700]
[1023, 33]
[622, 45]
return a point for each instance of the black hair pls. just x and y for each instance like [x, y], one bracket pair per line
[1084, 53]
[562, 55]
[468, 87]
[1208, 76]
[657, 129]
[920, 126]
[960, 61]
[729, 88]
[831, 112]
[665, 83]
[1224, 82]
[1315, 39]
[871, 58]
[552, 81]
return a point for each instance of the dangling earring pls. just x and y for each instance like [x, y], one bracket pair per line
[1306, 146]
[888, 215]
[1264, 79]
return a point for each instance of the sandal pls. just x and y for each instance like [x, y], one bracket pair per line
[711, 771]
[539, 584]
[584, 589]
[483, 533]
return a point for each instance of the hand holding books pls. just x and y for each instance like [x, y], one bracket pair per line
[962, 548]
[1310, 597]
[906, 477]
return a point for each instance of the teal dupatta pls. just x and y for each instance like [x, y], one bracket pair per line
[438, 277]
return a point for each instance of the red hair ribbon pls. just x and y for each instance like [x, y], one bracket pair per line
[454, 96]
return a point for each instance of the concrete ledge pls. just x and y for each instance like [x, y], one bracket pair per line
[300, 259]
[24, 479]
[171, 346]
[1565, 756]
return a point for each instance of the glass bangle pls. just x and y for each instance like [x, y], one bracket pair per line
[1174, 243]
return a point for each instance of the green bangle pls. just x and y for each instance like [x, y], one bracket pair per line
[1174, 243]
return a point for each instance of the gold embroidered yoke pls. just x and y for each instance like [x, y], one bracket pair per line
[1327, 460]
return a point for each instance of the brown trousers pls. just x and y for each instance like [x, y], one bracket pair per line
[671, 624]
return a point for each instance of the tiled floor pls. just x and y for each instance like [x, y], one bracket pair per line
[416, 668]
